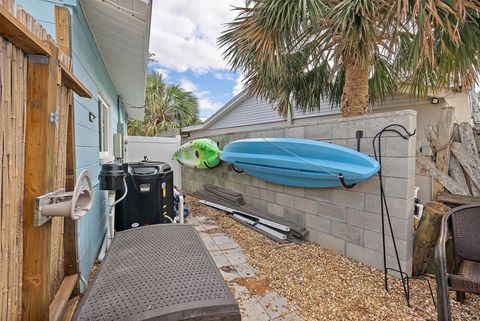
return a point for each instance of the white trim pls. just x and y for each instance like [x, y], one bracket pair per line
[107, 155]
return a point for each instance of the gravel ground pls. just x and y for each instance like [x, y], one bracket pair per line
[329, 286]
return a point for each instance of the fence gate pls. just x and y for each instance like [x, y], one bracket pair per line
[35, 109]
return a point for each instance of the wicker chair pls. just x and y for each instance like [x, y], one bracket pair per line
[463, 224]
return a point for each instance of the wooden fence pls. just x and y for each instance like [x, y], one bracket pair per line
[35, 83]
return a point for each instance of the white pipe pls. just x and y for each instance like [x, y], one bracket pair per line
[77, 250]
[420, 210]
[111, 224]
[180, 208]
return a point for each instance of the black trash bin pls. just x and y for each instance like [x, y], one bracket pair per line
[149, 197]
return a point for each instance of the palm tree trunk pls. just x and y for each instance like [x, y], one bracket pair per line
[355, 91]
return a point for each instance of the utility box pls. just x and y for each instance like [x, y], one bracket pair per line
[149, 198]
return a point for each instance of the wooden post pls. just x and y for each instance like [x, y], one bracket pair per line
[426, 236]
[39, 179]
[63, 38]
[443, 140]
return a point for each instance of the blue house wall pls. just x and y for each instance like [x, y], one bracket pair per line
[90, 69]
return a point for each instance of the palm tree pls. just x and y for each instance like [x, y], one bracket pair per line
[352, 52]
[167, 106]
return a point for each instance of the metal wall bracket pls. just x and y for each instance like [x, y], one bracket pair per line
[40, 202]
[358, 136]
[38, 59]
[54, 118]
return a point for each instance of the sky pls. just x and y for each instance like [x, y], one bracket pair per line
[183, 38]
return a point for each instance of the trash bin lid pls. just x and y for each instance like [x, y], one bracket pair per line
[145, 170]
[148, 168]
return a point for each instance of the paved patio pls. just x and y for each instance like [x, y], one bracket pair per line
[262, 304]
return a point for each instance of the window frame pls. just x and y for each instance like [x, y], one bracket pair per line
[104, 130]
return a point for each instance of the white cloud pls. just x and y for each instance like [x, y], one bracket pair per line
[223, 76]
[206, 102]
[206, 105]
[161, 71]
[239, 85]
[184, 33]
[188, 85]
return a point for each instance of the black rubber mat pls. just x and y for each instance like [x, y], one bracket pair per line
[158, 272]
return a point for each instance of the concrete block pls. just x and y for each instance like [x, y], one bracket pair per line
[351, 234]
[332, 211]
[295, 132]
[339, 142]
[267, 195]
[294, 215]
[371, 186]
[398, 207]
[240, 188]
[399, 187]
[306, 205]
[255, 202]
[253, 192]
[402, 229]
[348, 198]
[399, 147]
[376, 124]
[373, 240]
[318, 223]
[297, 191]
[327, 240]
[398, 167]
[258, 183]
[319, 194]
[275, 187]
[275, 209]
[285, 200]
[365, 255]
[347, 129]
[245, 179]
[321, 131]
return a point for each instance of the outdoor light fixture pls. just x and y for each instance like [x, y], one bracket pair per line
[435, 100]
[91, 117]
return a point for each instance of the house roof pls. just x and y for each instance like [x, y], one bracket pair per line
[121, 29]
[231, 104]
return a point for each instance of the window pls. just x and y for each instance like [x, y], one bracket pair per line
[104, 128]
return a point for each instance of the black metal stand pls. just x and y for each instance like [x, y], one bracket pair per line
[395, 128]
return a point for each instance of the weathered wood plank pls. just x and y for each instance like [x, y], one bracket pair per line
[456, 171]
[444, 129]
[469, 163]
[426, 236]
[60, 301]
[72, 82]
[12, 113]
[428, 166]
[458, 199]
[468, 141]
[39, 179]
[63, 30]
[20, 35]
[71, 306]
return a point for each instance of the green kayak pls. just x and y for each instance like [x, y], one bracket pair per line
[199, 153]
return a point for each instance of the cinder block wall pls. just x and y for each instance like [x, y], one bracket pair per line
[345, 220]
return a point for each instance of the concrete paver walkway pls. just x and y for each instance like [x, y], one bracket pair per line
[233, 265]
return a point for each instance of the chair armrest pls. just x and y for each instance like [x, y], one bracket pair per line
[443, 308]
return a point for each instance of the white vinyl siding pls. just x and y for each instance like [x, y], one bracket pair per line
[250, 112]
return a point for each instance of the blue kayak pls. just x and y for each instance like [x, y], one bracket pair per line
[299, 162]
